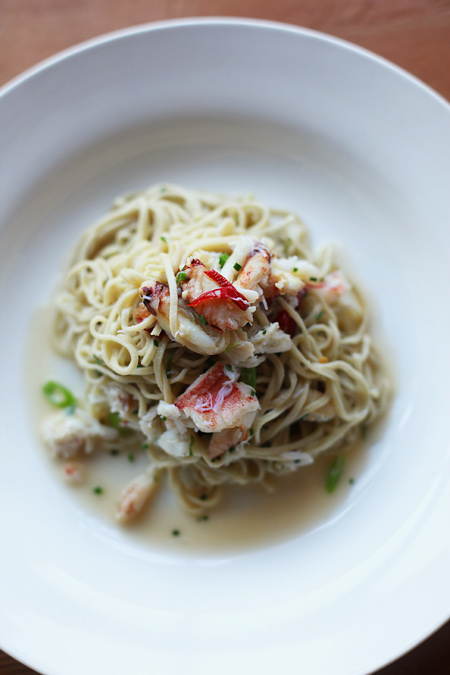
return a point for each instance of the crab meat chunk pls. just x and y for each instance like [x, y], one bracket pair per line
[79, 433]
[216, 401]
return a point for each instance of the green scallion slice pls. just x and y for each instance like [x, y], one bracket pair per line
[248, 376]
[58, 395]
[334, 474]
[237, 267]
[223, 259]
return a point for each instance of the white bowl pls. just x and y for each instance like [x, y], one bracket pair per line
[362, 151]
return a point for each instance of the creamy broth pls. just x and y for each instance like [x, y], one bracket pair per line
[248, 516]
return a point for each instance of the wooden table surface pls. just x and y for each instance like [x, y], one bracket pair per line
[414, 34]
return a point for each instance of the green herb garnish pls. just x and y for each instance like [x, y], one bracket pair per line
[264, 331]
[144, 446]
[319, 316]
[229, 367]
[248, 376]
[164, 240]
[203, 497]
[130, 457]
[97, 490]
[175, 533]
[114, 420]
[334, 474]
[364, 430]
[230, 347]
[237, 267]
[351, 481]
[295, 269]
[223, 259]
[181, 276]
[58, 395]
[191, 445]
[114, 452]
[201, 319]
[98, 361]
[313, 278]
[163, 418]
[155, 342]
[200, 518]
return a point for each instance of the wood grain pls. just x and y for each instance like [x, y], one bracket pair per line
[414, 34]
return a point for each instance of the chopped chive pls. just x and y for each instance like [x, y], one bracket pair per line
[181, 276]
[164, 418]
[163, 189]
[313, 278]
[114, 452]
[223, 258]
[130, 457]
[232, 449]
[364, 431]
[114, 420]
[351, 481]
[229, 367]
[295, 269]
[144, 446]
[175, 533]
[58, 395]
[105, 281]
[98, 373]
[200, 518]
[319, 316]
[97, 490]
[237, 267]
[248, 376]
[251, 432]
[201, 319]
[253, 392]
[191, 445]
[230, 347]
[264, 331]
[334, 474]
[139, 365]
[164, 240]
[169, 364]
[98, 361]
[203, 497]
[155, 342]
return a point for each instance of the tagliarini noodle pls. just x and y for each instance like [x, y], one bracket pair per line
[209, 333]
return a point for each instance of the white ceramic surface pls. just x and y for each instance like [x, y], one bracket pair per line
[362, 151]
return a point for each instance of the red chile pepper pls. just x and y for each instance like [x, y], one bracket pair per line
[286, 323]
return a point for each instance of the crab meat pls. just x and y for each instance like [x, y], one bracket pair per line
[255, 273]
[226, 439]
[136, 495]
[216, 401]
[271, 340]
[190, 334]
[79, 433]
[223, 306]
[333, 287]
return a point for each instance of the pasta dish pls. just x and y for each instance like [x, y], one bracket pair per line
[213, 338]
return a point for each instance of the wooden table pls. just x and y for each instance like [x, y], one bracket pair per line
[414, 34]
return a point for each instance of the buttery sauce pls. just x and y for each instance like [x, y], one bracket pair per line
[248, 516]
